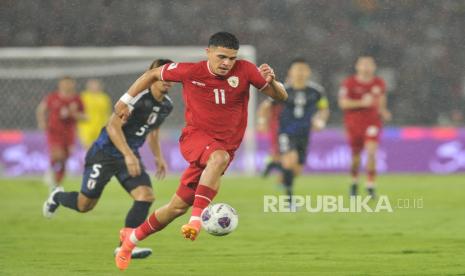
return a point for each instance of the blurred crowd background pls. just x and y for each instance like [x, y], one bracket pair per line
[418, 44]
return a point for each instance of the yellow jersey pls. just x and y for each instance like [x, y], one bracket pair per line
[97, 106]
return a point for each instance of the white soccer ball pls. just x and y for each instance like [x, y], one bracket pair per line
[219, 219]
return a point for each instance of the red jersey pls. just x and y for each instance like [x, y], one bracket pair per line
[60, 121]
[353, 89]
[215, 104]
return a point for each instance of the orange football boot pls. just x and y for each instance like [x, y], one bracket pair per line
[191, 230]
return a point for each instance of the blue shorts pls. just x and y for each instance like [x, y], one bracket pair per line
[299, 143]
[100, 167]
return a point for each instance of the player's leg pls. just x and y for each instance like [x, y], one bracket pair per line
[274, 163]
[218, 161]
[97, 173]
[356, 145]
[178, 205]
[140, 189]
[289, 161]
[371, 147]
[58, 156]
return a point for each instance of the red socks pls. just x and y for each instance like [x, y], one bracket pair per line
[203, 196]
[148, 227]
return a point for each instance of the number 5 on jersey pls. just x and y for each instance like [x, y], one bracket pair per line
[219, 93]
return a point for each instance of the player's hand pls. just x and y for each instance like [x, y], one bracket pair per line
[267, 72]
[386, 115]
[122, 110]
[318, 124]
[162, 167]
[367, 100]
[132, 163]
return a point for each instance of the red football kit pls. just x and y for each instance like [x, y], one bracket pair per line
[362, 124]
[215, 113]
[61, 126]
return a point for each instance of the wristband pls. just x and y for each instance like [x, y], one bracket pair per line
[126, 98]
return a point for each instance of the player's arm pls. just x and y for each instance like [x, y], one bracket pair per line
[383, 110]
[41, 115]
[263, 115]
[122, 107]
[274, 89]
[77, 112]
[153, 140]
[79, 115]
[345, 102]
[321, 117]
[115, 132]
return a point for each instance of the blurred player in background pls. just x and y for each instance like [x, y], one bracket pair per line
[216, 94]
[268, 121]
[362, 97]
[57, 114]
[116, 153]
[306, 109]
[97, 105]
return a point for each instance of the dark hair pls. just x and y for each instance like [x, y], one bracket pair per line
[159, 62]
[298, 60]
[224, 39]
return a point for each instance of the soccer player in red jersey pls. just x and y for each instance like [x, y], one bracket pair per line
[362, 97]
[216, 94]
[57, 114]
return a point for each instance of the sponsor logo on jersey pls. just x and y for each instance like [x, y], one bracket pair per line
[198, 83]
[233, 81]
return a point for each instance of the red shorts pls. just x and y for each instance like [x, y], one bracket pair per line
[63, 139]
[196, 147]
[360, 133]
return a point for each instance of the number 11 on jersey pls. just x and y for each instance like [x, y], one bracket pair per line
[219, 93]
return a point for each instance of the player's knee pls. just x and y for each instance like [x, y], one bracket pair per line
[147, 197]
[86, 207]
[143, 193]
[220, 159]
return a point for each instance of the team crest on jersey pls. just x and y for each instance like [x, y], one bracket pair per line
[172, 66]
[233, 81]
[376, 90]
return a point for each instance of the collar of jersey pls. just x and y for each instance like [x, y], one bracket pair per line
[215, 75]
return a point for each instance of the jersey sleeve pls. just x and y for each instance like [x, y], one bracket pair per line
[255, 78]
[382, 85]
[176, 72]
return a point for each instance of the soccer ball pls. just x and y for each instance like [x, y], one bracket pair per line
[219, 219]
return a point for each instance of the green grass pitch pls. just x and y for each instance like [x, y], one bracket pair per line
[415, 241]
